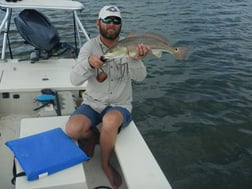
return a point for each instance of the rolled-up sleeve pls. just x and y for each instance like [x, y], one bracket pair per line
[80, 73]
[82, 70]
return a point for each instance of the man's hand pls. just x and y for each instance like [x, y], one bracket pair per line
[95, 61]
[141, 51]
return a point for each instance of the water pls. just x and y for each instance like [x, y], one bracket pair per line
[195, 114]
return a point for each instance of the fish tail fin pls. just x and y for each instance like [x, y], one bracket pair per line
[179, 52]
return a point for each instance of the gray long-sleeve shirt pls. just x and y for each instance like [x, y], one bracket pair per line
[116, 90]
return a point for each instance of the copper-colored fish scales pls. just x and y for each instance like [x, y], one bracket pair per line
[158, 44]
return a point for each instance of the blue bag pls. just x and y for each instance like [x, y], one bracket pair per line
[46, 153]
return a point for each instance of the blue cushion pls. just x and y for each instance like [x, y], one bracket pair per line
[46, 153]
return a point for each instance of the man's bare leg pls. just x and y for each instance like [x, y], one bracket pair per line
[110, 124]
[89, 144]
[78, 128]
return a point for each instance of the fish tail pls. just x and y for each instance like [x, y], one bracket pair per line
[179, 52]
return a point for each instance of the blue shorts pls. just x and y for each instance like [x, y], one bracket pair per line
[96, 117]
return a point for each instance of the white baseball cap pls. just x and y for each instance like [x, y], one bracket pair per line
[109, 10]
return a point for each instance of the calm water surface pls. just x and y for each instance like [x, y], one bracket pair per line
[195, 114]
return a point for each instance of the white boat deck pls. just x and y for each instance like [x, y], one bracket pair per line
[137, 162]
[26, 76]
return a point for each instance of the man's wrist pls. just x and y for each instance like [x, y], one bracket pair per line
[90, 62]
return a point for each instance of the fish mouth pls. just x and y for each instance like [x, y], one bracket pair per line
[104, 59]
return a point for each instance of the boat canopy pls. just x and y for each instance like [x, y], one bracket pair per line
[43, 4]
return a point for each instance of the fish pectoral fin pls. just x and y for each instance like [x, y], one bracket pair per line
[158, 54]
[128, 53]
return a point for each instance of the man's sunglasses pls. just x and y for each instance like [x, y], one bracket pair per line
[115, 20]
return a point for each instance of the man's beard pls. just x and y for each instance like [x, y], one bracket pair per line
[105, 34]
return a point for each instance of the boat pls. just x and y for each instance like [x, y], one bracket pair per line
[36, 95]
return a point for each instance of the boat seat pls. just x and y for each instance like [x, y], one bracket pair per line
[73, 177]
[138, 165]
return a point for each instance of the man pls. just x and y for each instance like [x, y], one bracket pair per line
[107, 101]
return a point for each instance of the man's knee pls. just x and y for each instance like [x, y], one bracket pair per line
[77, 125]
[112, 120]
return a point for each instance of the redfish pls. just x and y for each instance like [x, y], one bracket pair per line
[157, 43]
